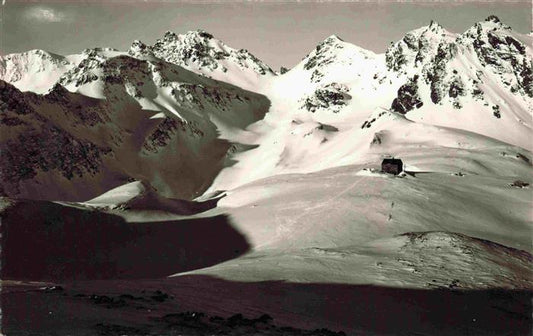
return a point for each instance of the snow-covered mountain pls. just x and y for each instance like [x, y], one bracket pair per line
[323, 113]
[35, 70]
[200, 52]
[329, 110]
[123, 118]
[479, 80]
[196, 157]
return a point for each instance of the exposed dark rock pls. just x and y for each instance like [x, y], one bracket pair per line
[408, 97]
[496, 111]
[435, 72]
[48, 149]
[368, 123]
[523, 157]
[331, 96]
[321, 55]
[492, 18]
[519, 184]
[162, 135]
[395, 58]
[456, 88]
[496, 48]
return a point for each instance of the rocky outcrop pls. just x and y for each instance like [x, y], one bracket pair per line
[165, 132]
[330, 97]
[408, 97]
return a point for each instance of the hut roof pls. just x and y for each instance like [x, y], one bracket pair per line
[392, 160]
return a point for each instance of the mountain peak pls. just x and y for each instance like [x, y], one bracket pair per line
[196, 35]
[170, 36]
[333, 50]
[418, 46]
[36, 53]
[332, 41]
[434, 25]
[493, 18]
[200, 33]
[334, 38]
[491, 23]
[137, 44]
[138, 48]
[200, 51]
[436, 28]
[433, 31]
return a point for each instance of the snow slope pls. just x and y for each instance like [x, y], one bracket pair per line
[316, 227]
[324, 110]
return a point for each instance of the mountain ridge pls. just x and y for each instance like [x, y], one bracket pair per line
[478, 81]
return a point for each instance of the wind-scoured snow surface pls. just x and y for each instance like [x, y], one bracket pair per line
[213, 171]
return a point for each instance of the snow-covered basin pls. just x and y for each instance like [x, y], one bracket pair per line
[344, 224]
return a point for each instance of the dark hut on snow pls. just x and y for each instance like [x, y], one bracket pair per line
[392, 166]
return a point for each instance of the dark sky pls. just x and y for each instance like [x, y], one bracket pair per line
[279, 33]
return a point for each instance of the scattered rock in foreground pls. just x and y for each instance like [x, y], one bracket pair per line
[196, 324]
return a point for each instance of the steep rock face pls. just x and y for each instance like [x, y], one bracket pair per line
[474, 70]
[105, 68]
[437, 74]
[324, 52]
[197, 51]
[483, 74]
[139, 49]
